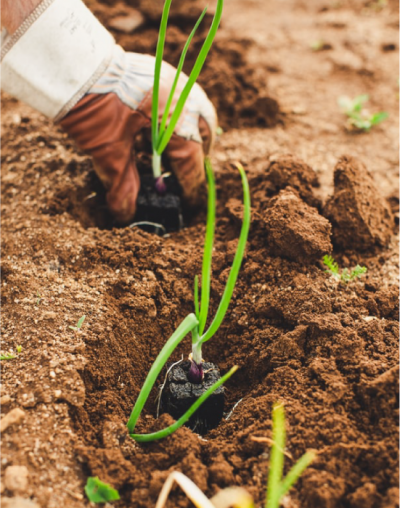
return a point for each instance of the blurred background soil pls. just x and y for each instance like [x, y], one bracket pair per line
[327, 350]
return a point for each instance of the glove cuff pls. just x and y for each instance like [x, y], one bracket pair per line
[55, 56]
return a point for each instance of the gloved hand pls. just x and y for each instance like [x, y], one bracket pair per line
[66, 64]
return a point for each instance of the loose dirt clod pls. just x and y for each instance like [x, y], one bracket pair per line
[18, 502]
[287, 171]
[14, 417]
[16, 479]
[360, 216]
[295, 230]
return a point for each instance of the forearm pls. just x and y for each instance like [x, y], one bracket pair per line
[14, 12]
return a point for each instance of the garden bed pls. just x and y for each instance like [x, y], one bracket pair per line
[326, 349]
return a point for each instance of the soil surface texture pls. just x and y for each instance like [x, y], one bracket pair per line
[326, 349]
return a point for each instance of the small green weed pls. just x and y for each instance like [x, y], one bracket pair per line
[359, 118]
[100, 492]
[10, 356]
[78, 324]
[7, 356]
[345, 275]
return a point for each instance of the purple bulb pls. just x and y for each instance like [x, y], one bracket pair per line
[195, 374]
[160, 185]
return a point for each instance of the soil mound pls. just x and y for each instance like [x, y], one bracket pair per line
[360, 217]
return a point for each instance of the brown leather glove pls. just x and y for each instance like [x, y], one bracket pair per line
[106, 121]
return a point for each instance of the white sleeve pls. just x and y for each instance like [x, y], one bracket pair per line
[55, 56]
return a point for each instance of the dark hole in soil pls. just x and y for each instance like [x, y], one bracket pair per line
[179, 394]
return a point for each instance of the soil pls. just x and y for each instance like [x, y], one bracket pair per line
[326, 349]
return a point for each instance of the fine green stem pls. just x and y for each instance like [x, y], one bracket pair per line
[157, 72]
[276, 456]
[196, 297]
[278, 487]
[295, 472]
[208, 247]
[178, 72]
[180, 333]
[183, 419]
[192, 78]
[237, 261]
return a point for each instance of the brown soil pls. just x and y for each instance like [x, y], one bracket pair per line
[327, 350]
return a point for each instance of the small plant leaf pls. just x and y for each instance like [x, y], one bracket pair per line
[7, 357]
[358, 271]
[100, 492]
[379, 117]
[208, 246]
[358, 102]
[80, 322]
[346, 275]
[333, 267]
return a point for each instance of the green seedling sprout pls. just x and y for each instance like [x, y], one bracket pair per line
[78, 324]
[359, 118]
[237, 497]
[7, 356]
[346, 275]
[161, 133]
[195, 323]
[100, 492]
[11, 356]
[39, 298]
[278, 486]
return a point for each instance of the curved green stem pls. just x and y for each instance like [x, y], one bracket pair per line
[180, 333]
[183, 419]
[237, 261]
[208, 246]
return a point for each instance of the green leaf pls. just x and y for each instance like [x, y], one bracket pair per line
[331, 264]
[358, 102]
[7, 357]
[358, 271]
[196, 297]
[187, 325]
[157, 73]
[192, 78]
[278, 487]
[295, 472]
[100, 492]
[277, 456]
[80, 322]
[378, 117]
[208, 246]
[237, 261]
[178, 73]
